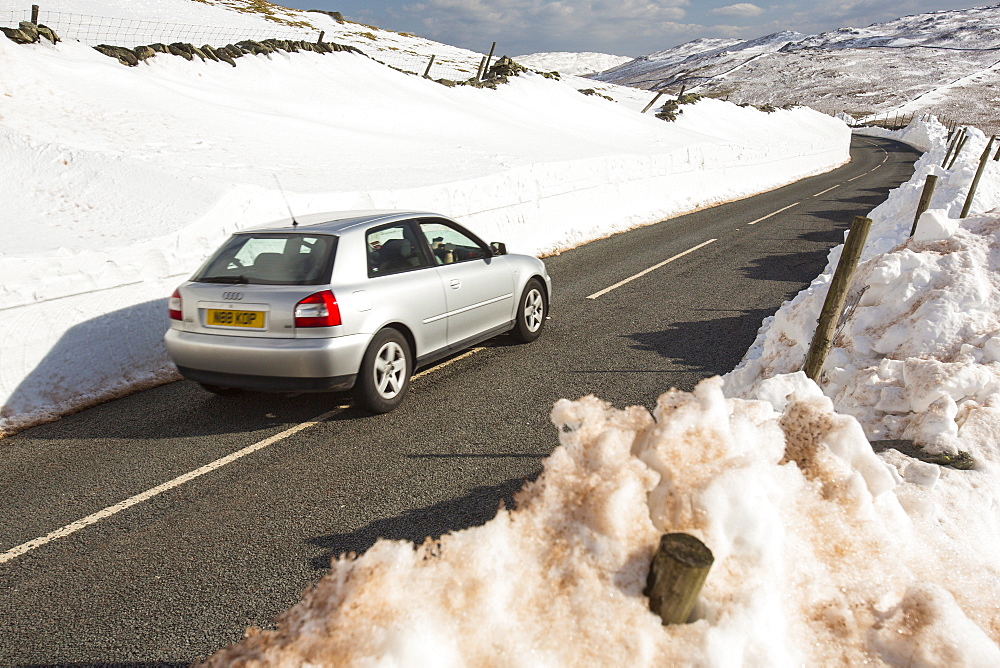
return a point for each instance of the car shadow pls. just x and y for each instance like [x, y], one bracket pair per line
[123, 349]
[474, 509]
[709, 347]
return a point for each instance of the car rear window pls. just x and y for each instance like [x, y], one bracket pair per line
[285, 258]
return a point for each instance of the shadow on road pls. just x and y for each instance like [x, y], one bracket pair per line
[474, 509]
[708, 347]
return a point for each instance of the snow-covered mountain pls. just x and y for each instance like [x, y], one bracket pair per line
[579, 64]
[943, 62]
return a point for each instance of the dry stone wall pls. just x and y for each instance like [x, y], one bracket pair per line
[30, 33]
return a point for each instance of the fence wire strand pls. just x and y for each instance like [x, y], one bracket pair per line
[93, 30]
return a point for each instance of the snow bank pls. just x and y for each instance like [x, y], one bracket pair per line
[123, 179]
[921, 135]
[823, 555]
[919, 357]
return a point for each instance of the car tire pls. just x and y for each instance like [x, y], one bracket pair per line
[221, 391]
[532, 310]
[385, 372]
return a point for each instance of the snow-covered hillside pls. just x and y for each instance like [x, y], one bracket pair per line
[578, 64]
[942, 62]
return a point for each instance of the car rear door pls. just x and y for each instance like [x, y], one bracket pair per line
[403, 285]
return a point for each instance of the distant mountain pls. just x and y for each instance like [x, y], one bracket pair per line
[946, 62]
[578, 64]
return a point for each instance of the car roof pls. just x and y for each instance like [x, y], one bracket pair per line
[336, 222]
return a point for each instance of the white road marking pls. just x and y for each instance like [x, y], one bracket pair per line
[73, 527]
[646, 271]
[828, 190]
[773, 214]
[159, 489]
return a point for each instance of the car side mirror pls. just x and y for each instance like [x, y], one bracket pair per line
[499, 248]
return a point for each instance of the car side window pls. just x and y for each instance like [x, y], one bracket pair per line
[451, 245]
[393, 250]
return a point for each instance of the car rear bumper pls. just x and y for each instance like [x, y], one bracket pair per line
[287, 365]
[269, 383]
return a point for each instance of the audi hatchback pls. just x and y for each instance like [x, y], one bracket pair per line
[349, 300]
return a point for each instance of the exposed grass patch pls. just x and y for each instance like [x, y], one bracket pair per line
[269, 11]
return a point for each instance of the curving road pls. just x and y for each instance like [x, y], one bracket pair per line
[197, 552]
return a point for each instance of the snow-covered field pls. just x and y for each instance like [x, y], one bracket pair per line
[117, 181]
[825, 553]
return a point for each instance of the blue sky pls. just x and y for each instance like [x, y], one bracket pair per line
[622, 27]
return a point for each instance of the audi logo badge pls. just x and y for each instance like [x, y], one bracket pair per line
[232, 296]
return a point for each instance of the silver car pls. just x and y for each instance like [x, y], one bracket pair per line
[349, 300]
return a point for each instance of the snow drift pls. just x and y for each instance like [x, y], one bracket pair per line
[822, 555]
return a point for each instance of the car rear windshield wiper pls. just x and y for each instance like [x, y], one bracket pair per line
[236, 280]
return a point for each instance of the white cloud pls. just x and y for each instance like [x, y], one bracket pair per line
[513, 22]
[740, 9]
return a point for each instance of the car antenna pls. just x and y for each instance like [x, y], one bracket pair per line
[295, 223]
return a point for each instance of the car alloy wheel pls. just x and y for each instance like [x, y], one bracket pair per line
[531, 313]
[385, 371]
[390, 370]
[534, 310]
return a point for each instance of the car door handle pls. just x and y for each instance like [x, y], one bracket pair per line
[455, 284]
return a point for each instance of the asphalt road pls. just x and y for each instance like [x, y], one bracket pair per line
[174, 577]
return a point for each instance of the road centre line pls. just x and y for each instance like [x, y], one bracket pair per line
[159, 489]
[94, 518]
[828, 190]
[774, 214]
[646, 271]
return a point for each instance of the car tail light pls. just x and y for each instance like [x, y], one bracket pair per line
[318, 310]
[175, 306]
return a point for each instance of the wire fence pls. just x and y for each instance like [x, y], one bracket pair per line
[441, 68]
[93, 30]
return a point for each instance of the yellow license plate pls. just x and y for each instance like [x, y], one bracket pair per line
[227, 318]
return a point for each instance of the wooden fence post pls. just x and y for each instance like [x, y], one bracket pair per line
[958, 149]
[319, 40]
[952, 139]
[925, 200]
[482, 65]
[486, 63]
[833, 305]
[979, 174]
[678, 571]
[34, 14]
[657, 97]
[429, 65]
